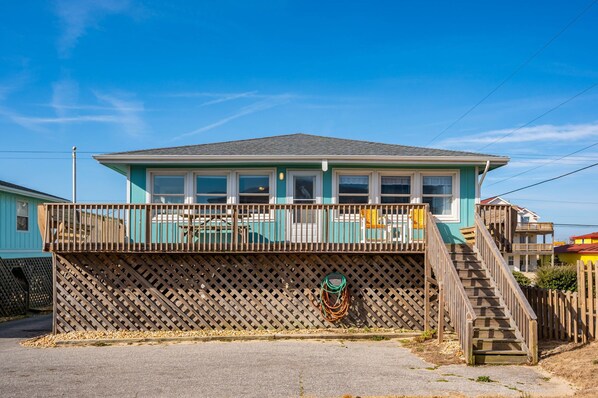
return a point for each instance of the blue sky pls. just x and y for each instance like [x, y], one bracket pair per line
[118, 75]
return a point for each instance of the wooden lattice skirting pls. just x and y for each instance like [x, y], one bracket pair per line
[101, 291]
[13, 298]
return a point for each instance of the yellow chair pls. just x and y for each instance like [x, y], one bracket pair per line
[370, 220]
[418, 218]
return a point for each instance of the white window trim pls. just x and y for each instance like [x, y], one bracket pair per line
[356, 172]
[455, 215]
[225, 173]
[272, 181]
[150, 173]
[17, 215]
[290, 187]
[386, 173]
[416, 186]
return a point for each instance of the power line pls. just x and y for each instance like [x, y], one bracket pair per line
[517, 70]
[544, 164]
[575, 225]
[46, 152]
[548, 180]
[540, 116]
[554, 201]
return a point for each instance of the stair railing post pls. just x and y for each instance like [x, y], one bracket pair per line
[440, 312]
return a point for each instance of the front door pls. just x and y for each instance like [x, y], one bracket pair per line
[305, 220]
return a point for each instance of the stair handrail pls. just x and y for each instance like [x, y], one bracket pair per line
[457, 302]
[523, 315]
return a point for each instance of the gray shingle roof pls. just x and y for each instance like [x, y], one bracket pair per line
[25, 190]
[299, 145]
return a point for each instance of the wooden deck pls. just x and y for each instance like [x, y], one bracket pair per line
[194, 228]
[536, 227]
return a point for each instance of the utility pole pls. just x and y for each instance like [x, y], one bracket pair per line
[74, 174]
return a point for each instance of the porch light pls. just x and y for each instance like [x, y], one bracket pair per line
[324, 165]
[281, 176]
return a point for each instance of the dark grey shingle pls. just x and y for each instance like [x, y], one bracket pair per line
[299, 145]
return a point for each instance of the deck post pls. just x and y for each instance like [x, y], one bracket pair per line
[426, 292]
[440, 312]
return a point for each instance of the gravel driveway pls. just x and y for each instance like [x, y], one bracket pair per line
[251, 369]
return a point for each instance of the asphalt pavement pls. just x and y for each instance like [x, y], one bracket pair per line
[246, 369]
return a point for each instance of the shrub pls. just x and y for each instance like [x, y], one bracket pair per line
[557, 277]
[522, 279]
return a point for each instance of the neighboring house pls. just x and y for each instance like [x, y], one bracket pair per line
[19, 235]
[25, 270]
[532, 241]
[240, 234]
[584, 248]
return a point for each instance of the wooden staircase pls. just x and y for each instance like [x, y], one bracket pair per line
[496, 339]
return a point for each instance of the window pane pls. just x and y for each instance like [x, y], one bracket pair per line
[168, 199]
[349, 199]
[22, 223]
[304, 188]
[438, 206]
[353, 184]
[395, 199]
[396, 185]
[254, 199]
[22, 209]
[254, 184]
[438, 185]
[169, 185]
[211, 184]
[210, 199]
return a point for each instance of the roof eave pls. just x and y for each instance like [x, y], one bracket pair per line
[495, 161]
[42, 196]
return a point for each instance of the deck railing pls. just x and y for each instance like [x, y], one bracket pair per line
[520, 310]
[68, 227]
[501, 221]
[540, 227]
[453, 295]
[532, 248]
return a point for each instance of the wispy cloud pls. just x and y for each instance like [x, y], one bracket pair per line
[259, 106]
[77, 16]
[229, 97]
[541, 133]
[128, 109]
[114, 108]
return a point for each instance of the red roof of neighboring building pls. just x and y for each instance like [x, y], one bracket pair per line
[488, 200]
[591, 235]
[582, 248]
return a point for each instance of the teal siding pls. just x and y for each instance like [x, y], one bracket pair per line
[449, 230]
[13, 243]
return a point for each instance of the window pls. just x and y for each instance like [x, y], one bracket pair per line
[254, 189]
[437, 191]
[168, 189]
[353, 189]
[22, 216]
[395, 189]
[211, 189]
[511, 261]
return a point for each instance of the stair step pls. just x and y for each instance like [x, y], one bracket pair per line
[485, 301]
[476, 291]
[476, 282]
[492, 321]
[468, 265]
[489, 310]
[463, 256]
[496, 344]
[472, 273]
[492, 357]
[494, 332]
[459, 248]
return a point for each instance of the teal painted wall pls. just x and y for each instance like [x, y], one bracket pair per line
[18, 244]
[449, 230]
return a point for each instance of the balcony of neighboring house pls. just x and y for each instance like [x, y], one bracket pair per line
[234, 228]
[533, 248]
[535, 227]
